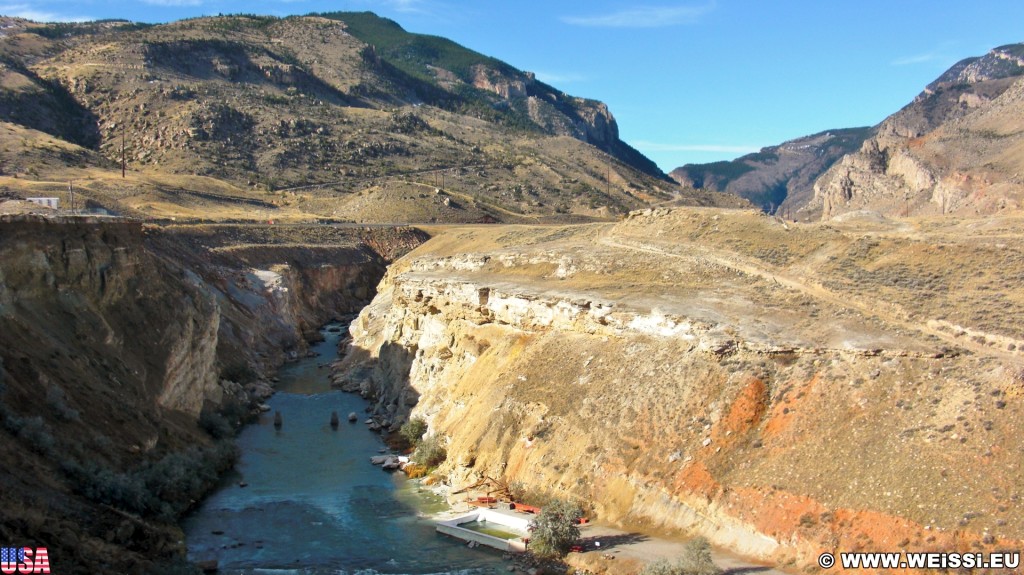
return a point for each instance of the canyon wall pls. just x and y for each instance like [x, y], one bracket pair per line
[122, 348]
[675, 388]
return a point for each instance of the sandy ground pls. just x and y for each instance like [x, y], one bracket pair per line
[630, 550]
[618, 552]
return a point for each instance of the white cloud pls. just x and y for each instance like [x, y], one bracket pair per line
[710, 148]
[910, 60]
[643, 17]
[28, 12]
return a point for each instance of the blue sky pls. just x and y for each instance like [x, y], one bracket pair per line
[688, 81]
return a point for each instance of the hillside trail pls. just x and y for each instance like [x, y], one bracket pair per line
[887, 311]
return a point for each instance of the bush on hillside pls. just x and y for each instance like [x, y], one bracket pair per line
[556, 529]
[430, 452]
[412, 431]
[695, 560]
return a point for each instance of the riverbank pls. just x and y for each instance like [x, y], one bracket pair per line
[304, 496]
[607, 550]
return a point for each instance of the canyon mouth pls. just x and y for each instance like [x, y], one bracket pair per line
[778, 388]
[184, 206]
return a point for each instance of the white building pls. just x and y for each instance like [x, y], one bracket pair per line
[48, 202]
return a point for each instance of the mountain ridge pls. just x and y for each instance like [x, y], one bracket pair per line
[958, 147]
[954, 148]
[778, 179]
[308, 120]
[593, 123]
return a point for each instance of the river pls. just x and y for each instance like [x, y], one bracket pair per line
[312, 503]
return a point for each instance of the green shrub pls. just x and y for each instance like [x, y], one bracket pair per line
[430, 452]
[556, 529]
[36, 435]
[661, 567]
[412, 431]
[163, 488]
[215, 424]
[520, 493]
[695, 560]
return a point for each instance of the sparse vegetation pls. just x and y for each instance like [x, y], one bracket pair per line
[365, 136]
[57, 401]
[163, 488]
[695, 560]
[430, 451]
[412, 431]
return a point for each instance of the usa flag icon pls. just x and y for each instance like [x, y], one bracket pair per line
[12, 554]
[24, 560]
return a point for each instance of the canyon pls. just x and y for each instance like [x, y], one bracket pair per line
[782, 389]
[563, 316]
[129, 352]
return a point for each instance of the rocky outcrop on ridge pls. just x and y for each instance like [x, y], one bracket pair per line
[957, 148]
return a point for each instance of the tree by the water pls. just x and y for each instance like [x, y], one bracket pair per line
[556, 528]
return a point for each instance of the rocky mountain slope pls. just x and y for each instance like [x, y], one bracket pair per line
[778, 179]
[128, 353]
[343, 115]
[781, 388]
[957, 148]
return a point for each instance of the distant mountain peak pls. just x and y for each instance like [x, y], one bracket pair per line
[958, 147]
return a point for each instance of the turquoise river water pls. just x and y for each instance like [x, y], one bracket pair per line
[313, 504]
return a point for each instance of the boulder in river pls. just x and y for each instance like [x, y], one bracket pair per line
[352, 417]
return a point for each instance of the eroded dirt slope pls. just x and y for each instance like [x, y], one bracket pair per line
[783, 389]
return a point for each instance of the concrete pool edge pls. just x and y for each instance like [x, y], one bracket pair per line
[451, 527]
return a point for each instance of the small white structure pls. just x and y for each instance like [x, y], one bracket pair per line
[515, 524]
[48, 202]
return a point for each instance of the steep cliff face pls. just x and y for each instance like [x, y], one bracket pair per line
[120, 342]
[957, 148]
[276, 287]
[672, 381]
[92, 283]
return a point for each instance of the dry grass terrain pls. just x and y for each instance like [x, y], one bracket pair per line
[299, 119]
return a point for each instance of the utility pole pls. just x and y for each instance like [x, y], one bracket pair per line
[122, 151]
[608, 180]
[71, 192]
